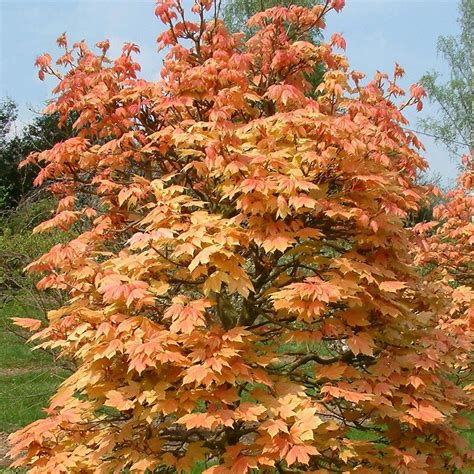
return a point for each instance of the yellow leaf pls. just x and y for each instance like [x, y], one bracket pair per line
[116, 399]
[392, 286]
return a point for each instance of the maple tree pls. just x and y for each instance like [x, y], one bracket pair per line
[446, 255]
[244, 292]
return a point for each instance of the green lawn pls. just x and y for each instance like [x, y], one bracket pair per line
[23, 396]
[27, 378]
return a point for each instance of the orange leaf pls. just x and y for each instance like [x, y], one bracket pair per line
[361, 343]
[392, 286]
[426, 412]
[27, 323]
[300, 454]
[116, 399]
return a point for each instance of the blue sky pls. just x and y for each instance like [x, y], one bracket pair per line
[378, 34]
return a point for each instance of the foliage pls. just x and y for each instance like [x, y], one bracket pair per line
[19, 247]
[236, 14]
[8, 115]
[244, 292]
[450, 238]
[455, 97]
[27, 379]
[41, 134]
[435, 197]
[447, 258]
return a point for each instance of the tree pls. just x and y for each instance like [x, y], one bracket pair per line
[455, 97]
[450, 237]
[8, 114]
[41, 134]
[245, 295]
[236, 14]
[446, 257]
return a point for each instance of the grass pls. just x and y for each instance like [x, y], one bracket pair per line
[15, 354]
[27, 378]
[23, 397]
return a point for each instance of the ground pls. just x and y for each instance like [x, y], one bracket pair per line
[27, 378]
[3, 450]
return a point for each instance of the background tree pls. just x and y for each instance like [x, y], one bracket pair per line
[244, 292]
[453, 125]
[9, 175]
[41, 134]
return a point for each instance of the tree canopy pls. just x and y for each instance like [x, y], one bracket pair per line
[244, 293]
[453, 124]
[41, 134]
